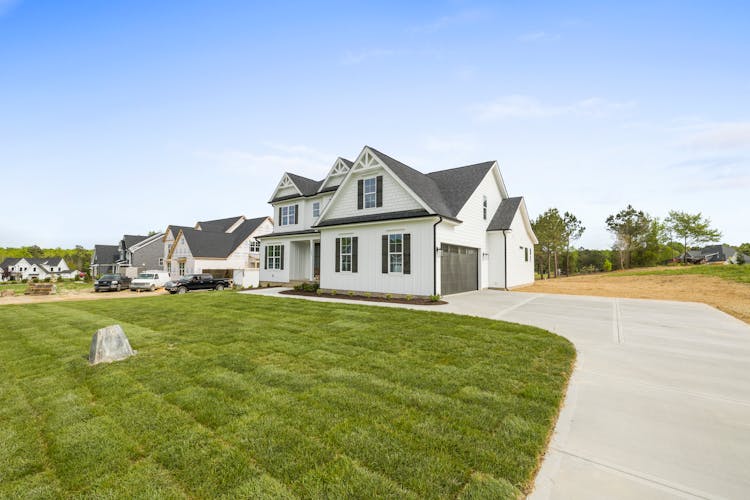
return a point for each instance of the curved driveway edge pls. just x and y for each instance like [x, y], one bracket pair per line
[659, 402]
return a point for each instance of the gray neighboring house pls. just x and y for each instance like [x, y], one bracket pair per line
[138, 253]
[713, 253]
[104, 259]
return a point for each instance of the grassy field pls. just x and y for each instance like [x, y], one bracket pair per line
[233, 395]
[740, 274]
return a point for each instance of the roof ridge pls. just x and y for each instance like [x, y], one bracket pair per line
[481, 163]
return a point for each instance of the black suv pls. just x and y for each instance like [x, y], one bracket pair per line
[112, 282]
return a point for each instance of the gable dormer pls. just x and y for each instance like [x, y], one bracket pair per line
[336, 175]
[286, 188]
[369, 187]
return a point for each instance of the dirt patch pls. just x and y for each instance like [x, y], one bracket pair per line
[730, 297]
[76, 295]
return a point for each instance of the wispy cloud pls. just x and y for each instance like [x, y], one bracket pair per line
[463, 17]
[711, 173]
[520, 106]
[719, 136]
[538, 37]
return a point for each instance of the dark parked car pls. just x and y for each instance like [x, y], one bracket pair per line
[112, 282]
[191, 282]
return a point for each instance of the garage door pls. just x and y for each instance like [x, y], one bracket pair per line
[458, 269]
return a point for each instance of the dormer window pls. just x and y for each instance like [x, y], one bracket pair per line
[287, 215]
[484, 207]
[370, 192]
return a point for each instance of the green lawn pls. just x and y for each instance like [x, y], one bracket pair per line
[740, 274]
[233, 395]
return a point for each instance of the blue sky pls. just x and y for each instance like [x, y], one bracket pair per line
[123, 117]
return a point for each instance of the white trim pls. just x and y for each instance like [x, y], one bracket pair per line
[285, 182]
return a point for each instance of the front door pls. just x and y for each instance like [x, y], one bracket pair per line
[316, 261]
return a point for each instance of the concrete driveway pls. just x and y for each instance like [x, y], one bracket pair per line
[658, 405]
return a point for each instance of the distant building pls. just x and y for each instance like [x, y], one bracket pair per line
[29, 268]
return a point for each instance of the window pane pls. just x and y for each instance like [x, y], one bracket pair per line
[395, 263]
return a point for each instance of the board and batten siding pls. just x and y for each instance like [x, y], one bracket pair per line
[472, 232]
[274, 275]
[395, 197]
[369, 276]
[305, 219]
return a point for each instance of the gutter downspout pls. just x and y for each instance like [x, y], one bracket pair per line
[434, 254]
[505, 253]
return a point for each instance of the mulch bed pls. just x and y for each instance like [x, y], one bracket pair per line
[416, 301]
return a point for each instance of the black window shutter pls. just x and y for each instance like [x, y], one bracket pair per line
[279, 222]
[407, 253]
[360, 189]
[379, 191]
[354, 254]
[265, 258]
[282, 257]
[338, 255]
[384, 254]
[296, 213]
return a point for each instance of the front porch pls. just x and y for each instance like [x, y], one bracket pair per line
[299, 260]
[304, 260]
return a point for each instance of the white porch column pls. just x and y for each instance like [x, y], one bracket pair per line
[312, 260]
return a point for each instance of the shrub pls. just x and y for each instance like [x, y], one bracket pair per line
[368, 294]
[388, 296]
[47, 279]
[319, 292]
[300, 287]
[409, 297]
[434, 298]
[350, 293]
[333, 292]
[310, 287]
[607, 266]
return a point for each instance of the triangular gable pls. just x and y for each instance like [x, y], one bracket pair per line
[179, 236]
[337, 173]
[285, 187]
[368, 160]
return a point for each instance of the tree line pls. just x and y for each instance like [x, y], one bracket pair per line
[640, 240]
[76, 258]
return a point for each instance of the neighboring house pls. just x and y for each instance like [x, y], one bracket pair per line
[377, 225]
[712, 254]
[104, 259]
[29, 268]
[225, 248]
[140, 253]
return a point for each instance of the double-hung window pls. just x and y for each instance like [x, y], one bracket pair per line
[181, 269]
[316, 209]
[254, 246]
[346, 254]
[395, 253]
[288, 215]
[273, 257]
[370, 192]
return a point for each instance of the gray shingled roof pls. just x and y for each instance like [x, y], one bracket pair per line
[458, 184]
[218, 244]
[132, 239]
[176, 229]
[308, 186]
[406, 214]
[219, 225]
[106, 254]
[9, 261]
[53, 261]
[504, 215]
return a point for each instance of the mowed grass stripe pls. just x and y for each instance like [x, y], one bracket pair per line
[241, 395]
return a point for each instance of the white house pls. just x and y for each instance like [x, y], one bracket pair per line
[225, 247]
[377, 225]
[28, 268]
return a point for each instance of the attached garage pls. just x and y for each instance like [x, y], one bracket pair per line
[459, 269]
